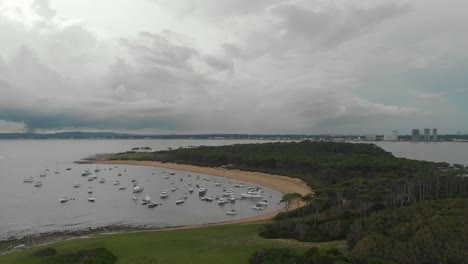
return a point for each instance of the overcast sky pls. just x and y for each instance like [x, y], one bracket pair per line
[233, 66]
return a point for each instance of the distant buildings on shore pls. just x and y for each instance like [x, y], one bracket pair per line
[416, 136]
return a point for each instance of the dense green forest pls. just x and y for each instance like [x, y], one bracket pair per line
[428, 232]
[344, 176]
[391, 210]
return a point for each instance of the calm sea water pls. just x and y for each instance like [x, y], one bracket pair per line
[25, 209]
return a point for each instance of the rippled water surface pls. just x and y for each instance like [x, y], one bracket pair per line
[25, 209]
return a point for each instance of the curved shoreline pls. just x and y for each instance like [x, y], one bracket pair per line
[282, 184]
[279, 183]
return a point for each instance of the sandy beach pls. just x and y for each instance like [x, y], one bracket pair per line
[282, 184]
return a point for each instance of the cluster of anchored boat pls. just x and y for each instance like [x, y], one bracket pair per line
[225, 196]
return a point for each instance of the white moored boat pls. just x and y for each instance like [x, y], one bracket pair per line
[85, 173]
[152, 205]
[90, 190]
[138, 188]
[76, 185]
[222, 201]
[146, 200]
[38, 184]
[134, 198]
[232, 212]
[228, 193]
[257, 207]
[263, 202]
[208, 198]
[102, 180]
[180, 201]
[29, 180]
[202, 190]
[64, 199]
[122, 187]
[164, 194]
[117, 182]
[91, 199]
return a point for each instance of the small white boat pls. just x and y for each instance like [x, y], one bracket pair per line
[232, 212]
[90, 190]
[217, 184]
[239, 185]
[133, 180]
[209, 198]
[257, 207]
[232, 199]
[147, 199]
[189, 183]
[164, 194]
[190, 190]
[202, 190]
[152, 205]
[91, 199]
[117, 183]
[29, 180]
[85, 173]
[64, 199]
[138, 188]
[122, 187]
[252, 194]
[173, 189]
[102, 180]
[222, 201]
[42, 174]
[38, 183]
[90, 178]
[263, 202]
[228, 193]
[76, 185]
[184, 195]
[180, 201]
[134, 198]
[166, 177]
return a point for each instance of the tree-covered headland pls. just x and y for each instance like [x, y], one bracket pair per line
[349, 183]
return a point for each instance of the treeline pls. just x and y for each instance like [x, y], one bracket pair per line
[427, 232]
[344, 176]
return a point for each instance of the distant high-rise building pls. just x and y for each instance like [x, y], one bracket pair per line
[434, 134]
[392, 137]
[427, 134]
[395, 135]
[415, 136]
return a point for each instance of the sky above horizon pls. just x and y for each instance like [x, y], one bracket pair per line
[233, 66]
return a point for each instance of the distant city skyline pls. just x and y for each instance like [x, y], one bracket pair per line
[233, 66]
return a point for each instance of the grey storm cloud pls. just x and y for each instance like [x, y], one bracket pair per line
[267, 66]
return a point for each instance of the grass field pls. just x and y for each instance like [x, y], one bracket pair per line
[217, 244]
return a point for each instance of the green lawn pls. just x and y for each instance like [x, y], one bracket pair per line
[218, 244]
